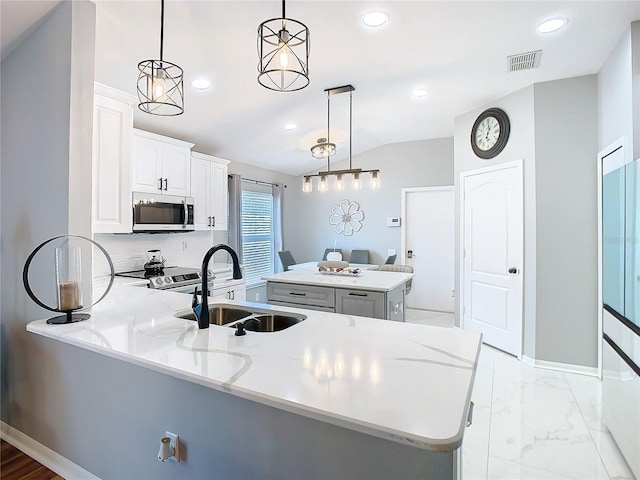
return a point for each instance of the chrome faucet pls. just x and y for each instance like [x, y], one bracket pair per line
[201, 310]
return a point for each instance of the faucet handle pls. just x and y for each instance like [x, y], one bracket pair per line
[194, 300]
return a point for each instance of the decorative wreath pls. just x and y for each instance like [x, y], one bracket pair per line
[346, 217]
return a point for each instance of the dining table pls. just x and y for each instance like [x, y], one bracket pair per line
[314, 266]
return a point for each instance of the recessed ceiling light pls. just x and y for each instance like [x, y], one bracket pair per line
[375, 19]
[419, 92]
[290, 126]
[552, 24]
[201, 83]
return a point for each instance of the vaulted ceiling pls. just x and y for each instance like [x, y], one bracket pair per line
[455, 50]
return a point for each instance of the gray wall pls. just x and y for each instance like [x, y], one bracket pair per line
[46, 84]
[553, 130]
[521, 146]
[409, 164]
[566, 119]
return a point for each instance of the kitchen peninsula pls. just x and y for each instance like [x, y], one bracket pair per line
[333, 396]
[371, 293]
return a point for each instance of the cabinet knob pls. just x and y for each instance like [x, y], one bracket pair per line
[513, 270]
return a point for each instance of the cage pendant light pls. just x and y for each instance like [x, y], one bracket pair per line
[160, 83]
[283, 52]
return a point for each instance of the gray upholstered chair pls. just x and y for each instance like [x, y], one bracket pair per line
[287, 259]
[359, 256]
[399, 268]
[329, 250]
[391, 259]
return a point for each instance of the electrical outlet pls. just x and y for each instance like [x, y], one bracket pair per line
[391, 251]
[184, 246]
[175, 443]
[257, 297]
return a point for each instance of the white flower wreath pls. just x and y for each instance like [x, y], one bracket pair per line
[346, 217]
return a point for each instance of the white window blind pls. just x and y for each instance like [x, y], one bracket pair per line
[257, 235]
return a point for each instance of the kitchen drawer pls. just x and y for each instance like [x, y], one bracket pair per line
[300, 294]
[360, 302]
[304, 307]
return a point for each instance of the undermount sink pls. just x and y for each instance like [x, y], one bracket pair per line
[270, 322]
[254, 320]
[218, 315]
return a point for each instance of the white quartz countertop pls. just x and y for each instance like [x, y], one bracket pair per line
[371, 280]
[402, 382]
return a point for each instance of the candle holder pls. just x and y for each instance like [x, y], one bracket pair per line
[68, 274]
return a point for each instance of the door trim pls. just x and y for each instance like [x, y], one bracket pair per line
[403, 213]
[602, 154]
[519, 164]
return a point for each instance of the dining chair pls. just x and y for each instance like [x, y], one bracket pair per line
[391, 259]
[359, 256]
[329, 250]
[287, 259]
[399, 268]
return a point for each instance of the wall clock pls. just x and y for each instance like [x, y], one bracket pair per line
[490, 133]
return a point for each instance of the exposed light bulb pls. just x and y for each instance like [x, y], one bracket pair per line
[339, 184]
[375, 181]
[284, 55]
[356, 185]
[158, 85]
[322, 186]
[307, 186]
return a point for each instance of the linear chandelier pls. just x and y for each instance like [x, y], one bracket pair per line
[325, 149]
[283, 51]
[160, 85]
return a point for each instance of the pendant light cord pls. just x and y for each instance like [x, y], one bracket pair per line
[161, 27]
[283, 16]
[328, 130]
[350, 124]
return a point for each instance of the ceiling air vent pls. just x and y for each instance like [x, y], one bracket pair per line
[524, 61]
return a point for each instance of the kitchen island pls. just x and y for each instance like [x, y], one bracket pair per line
[333, 396]
[371, 293]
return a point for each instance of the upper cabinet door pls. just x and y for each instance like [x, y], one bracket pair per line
[176, 170]
[147, 166]
[111, 164]
[161, 165]
[210, 195]
[200, 191]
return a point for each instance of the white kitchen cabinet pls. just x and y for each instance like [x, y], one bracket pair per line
[160, 164]
[111, 160]
[230, 290]
[209, 190]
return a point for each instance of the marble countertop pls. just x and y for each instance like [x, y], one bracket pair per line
[402, 382]
[371, 280]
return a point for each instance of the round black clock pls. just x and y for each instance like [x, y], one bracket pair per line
[490, 133]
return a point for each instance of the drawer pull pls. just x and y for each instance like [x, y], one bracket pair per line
[298, 294]
[357, 294]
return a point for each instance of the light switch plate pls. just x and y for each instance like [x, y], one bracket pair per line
[391, 251]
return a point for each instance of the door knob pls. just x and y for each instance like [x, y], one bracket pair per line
[513, 270]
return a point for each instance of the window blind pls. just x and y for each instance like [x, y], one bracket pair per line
[257, 235]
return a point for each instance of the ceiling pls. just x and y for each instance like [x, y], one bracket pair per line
[456, 50]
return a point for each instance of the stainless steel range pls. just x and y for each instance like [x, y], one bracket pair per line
[171, 278]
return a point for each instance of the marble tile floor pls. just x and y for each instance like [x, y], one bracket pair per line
[532, 423]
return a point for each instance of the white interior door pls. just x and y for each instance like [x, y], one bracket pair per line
[428, 233]
[492, 255]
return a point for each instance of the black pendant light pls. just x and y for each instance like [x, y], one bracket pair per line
[283, 51]
[160, 86]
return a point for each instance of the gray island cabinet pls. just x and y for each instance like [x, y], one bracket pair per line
[372, 294]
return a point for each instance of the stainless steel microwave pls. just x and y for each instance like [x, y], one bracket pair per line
[153, 213]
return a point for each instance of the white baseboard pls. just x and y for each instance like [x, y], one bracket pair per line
[561, 367]
[44, 455]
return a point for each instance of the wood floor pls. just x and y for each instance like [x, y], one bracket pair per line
[15, 465]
